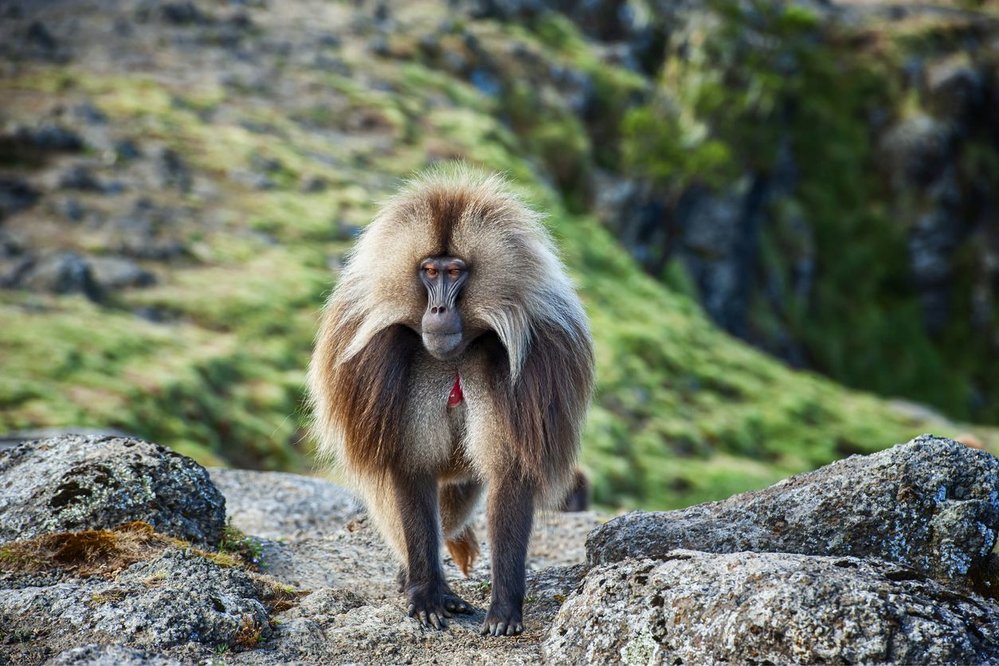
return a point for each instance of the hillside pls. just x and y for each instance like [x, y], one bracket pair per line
[179, 183]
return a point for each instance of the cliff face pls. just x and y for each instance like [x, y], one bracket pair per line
[885, 558]
[824, 178]
[179, 183]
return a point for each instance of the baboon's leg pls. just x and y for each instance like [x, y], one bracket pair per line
[430, 599]
[510, 512]
[457, 501]
[578, 497]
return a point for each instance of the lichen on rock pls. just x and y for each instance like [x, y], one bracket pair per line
[695, 607]
[92, 482]
[931, 504]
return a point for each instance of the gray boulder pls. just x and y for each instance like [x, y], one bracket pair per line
[92, 482]
[931, 504]
[178, 602]
[776, 608]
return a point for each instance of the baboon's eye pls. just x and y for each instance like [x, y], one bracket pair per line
[431, 271]
[454, 273]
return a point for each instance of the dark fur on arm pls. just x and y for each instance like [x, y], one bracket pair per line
[367, 395]
[543, 408]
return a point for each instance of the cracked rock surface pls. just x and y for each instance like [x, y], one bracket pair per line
[931, 504]
[694, 607]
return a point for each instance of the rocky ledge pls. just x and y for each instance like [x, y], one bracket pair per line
[878, 559]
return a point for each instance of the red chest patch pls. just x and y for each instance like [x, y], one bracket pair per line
[456, 397]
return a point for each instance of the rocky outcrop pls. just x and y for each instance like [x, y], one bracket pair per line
[931, 504]
[177, 600]
[92, 482]
[758, 207]
[778, 608]
[325, 591]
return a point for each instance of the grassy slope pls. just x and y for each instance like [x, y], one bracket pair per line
[683, 413]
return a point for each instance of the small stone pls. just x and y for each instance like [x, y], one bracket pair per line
[59, 273]
[118, 273]
[181, 13]
[174, 171]
[90, 114]
[80, 177]
[15, 194]
[39, 36]
[314, 184]
[126, 149]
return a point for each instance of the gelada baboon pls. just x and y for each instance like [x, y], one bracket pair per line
[454, 356]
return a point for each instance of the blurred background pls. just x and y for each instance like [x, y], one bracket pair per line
[783, 217]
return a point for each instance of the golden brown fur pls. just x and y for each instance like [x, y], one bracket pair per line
[380, 399]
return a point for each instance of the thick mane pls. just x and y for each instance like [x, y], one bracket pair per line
[359, 398]
[517, 289]
[455, 210]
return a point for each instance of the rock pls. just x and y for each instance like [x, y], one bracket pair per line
[109, 655]
[314, 184]
[90, 114]
[955, 90]
[608, 20]
[508, 10]
[126, 150]
[181, 13]
[38, 42]
[117, 273]
[51, 137]
[60, 273]
[485, 81]
[12, 438]
[72, 209]
[80, 177]
[275, 505]
[91, 482]
[40, 37]
[775, 608]
[71, 273]
[932, 242]
[148, 231]
[719, 234]
[579, 90]
[177, 605]
[931, 504]
[33, 145]
[174, 171]
[15, 194]
[917, 150]
[177, 599]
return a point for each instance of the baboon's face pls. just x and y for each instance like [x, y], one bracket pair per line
[442, 328]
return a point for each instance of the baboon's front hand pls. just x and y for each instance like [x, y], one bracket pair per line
[503, 620]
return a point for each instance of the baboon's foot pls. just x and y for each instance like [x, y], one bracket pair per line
[503, 619]
[433, 605]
